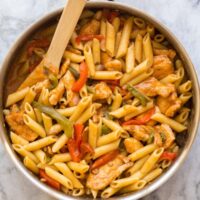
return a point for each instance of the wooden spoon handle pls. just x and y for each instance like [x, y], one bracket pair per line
[63, 33]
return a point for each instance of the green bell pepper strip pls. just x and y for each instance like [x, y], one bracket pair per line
[62, 120]
[74, 72]
[143, 98]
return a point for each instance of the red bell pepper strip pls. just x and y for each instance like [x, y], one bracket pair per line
[104, 159]
[76, 146]
[48, 180]
[111, 16]
[112, 82]
[82, 79]
[168, 155]
[141, 121]
[88, 37]
[39, 43]
[73, 150]
[86, 148]
[78, 131]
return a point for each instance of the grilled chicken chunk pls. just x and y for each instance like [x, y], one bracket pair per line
[152, 87]
[170, 53]
[169, 105]
[139, 132]
[92, 27]
[169, 136]
[57, 93]
[107, 173]
[16, 124]
[102, 91]
[162, 66]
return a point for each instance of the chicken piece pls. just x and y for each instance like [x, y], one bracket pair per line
[139, 132]
[40, 85]
[63, 68]
[68, 80]
[56, 94]
[92, 27]
[168, 52]
[162, 66]
[16, 124]
[37, 75]
[157, 138]
[132, 145]
[102, 91]
[167, 134]
[152, 87]
[169, 105]
[104, 175]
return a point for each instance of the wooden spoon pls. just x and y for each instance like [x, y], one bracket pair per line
[63, 33]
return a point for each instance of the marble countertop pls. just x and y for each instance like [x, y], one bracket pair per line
[181, 16]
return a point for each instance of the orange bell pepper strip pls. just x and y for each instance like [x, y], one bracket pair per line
[48, 180]
[88, 37]
[141, 121]
[104, 159]
[82, 78]
[168, 155]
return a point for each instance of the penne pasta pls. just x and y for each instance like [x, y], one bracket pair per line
[96, 51]
[99, 151]
[144, 151]
[172, 123]
[93, 134]
[130, 58]
[28, 163]
[73, 57]
[124, 42]
[138, 48]
[107, 139]
[61, 141]
[38, 144]
[41, 155]
[62, 157]
[78, 167]
[107, 75]
[110, 39]
[23, 152]
[16, 96]
[64, 169]
[16, 139]
[83, 104]
[147, 48]
[142, 67]
[58, 177]
[33, 125]
[89, 59]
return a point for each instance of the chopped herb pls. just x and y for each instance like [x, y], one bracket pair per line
[163, 137]
[151, 138]
[105, 130]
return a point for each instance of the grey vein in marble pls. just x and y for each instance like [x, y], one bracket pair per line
[180, 16]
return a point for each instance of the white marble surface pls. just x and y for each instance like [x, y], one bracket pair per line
[181, 16]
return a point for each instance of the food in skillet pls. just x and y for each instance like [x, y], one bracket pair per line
[107, 123]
